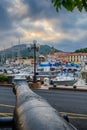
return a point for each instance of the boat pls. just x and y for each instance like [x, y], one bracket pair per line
[67, 79]
[82, 80]
[48, 68]
[80, 83]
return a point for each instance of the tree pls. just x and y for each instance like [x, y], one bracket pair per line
[83, 50]
[70, 4]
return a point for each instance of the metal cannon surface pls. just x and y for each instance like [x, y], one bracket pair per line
[32, 112]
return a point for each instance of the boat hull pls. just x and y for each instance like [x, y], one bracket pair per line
[66, 83]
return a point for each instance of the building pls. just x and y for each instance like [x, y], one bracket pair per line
[70, 57]
[77, 57]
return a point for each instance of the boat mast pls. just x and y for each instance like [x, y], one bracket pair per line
[19, 50]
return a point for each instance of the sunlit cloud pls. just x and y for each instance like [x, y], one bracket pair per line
[31, 19]
[18, 9]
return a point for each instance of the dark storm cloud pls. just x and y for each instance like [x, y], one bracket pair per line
[5, 21]
[71, 22]
[9, 34]
[67, 45]
[70, 46]
[40, 9]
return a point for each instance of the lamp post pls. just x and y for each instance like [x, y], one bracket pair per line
[36, 48]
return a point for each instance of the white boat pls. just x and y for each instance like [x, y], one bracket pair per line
[80, 83]
[65, 79]
[82, 80]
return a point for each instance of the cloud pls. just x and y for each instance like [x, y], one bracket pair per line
[32, 19]
[5, 21]
[38, 10]
[68, 46]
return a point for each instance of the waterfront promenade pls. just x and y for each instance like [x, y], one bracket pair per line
[63, 87]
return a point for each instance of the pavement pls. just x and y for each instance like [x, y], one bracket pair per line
[56, 87]
[63, 87]
[6, 85]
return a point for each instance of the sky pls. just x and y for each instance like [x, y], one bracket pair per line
[30, 20]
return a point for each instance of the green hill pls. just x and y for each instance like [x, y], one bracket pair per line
[23, 51]
[83, 50]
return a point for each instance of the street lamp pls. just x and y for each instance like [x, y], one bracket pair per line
[35, 47]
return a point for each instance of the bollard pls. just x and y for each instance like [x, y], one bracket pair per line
[32, 112]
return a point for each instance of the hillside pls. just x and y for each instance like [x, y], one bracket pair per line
[83, 50]
[23, 51]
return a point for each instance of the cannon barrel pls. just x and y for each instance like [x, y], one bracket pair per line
[32, 112]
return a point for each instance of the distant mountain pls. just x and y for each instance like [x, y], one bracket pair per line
[45, 49]
[21, 50]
